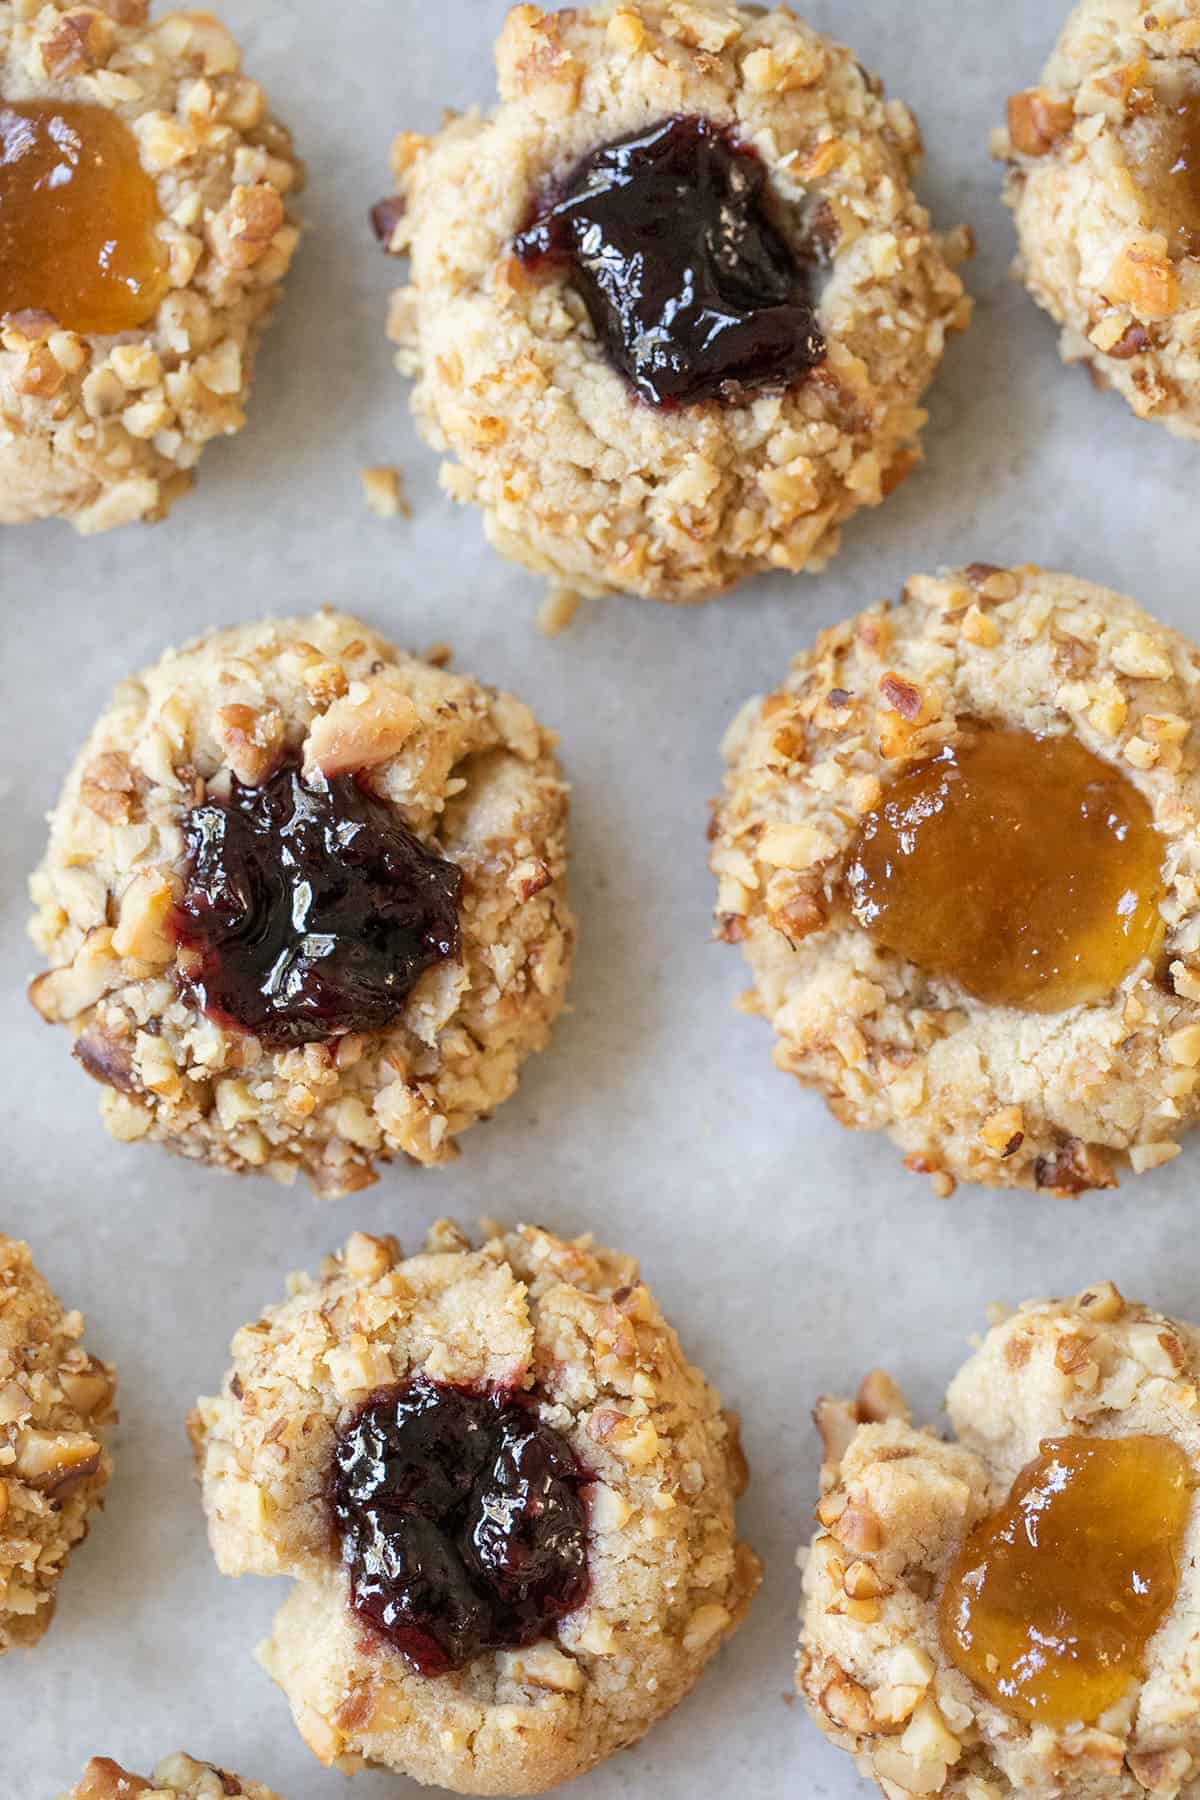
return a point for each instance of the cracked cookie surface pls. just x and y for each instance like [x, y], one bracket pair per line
[572, 1333]
[898, 1506]
[177, 1777]
[101, 428]
[577, 477]
[971, 1090]
[1104, 155]
[55, 1402]
[430, 770]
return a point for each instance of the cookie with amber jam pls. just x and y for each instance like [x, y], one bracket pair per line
[1104, 183]
[304, 902]
[145, 229]
[1013, 1612]
[673, 305]
[505, 1497]
[958, 848]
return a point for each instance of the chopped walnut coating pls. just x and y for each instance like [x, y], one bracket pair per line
[55, 1403]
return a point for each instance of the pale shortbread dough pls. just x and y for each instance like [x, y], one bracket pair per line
[103, 430]
[1092, 254]
[896, 1507]
[469, 768]
[669, 1581]
[969, 1091]
[576, 477]
[55, 1402]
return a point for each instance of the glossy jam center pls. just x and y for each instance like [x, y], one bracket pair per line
[310, 909]
[1022, 867]
[78, 218]
[1166, 166]
[670, 239]
[1054, 1598]
[460, 1520]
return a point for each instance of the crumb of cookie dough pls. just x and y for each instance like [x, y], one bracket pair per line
[104, 429]
[971, 1090]
[1103, 156]
[897, 1507]
[557, 611]
[579, 478]
[326, 707]
[383, 491]
[572, 1329]
[56, 1402]
[177, 1777]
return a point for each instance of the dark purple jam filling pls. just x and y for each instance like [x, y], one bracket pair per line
[692, 289]
[460, 1520]
[310, 909]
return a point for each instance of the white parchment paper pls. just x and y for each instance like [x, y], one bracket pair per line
[790, 1254]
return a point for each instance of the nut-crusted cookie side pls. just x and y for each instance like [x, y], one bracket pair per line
[577, 478]
[103, 430]
[55, 1401]
[177, 1777]
[573, 1328]
[1096, 248]
[969, 1090]
[465, 766]
[896, 1507]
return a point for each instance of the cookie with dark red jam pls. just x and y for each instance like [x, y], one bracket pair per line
[324, 915]
[672, 307]
[455, 1455]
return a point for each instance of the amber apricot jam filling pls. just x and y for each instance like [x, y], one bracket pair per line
[309, 909]
[1020, 866]
[1164, 158]
[79, 218]
[671, 240]
[461, 1522]
[1055, 1597]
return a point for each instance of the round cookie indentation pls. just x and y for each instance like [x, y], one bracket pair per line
[460, 1520]
[693, 291]
[310, 910]
[79, 218]
[1056, 1594]
[1022, 867]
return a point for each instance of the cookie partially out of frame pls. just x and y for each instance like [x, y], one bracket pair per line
[579, 475]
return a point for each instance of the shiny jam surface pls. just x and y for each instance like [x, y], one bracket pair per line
[461, 1522]
[693, 291]
[1022, 867]
[310, 910]
[78, 218]
[1165, 163]
[1054, 1598]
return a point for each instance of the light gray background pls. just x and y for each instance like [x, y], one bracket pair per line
[790, 1254]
